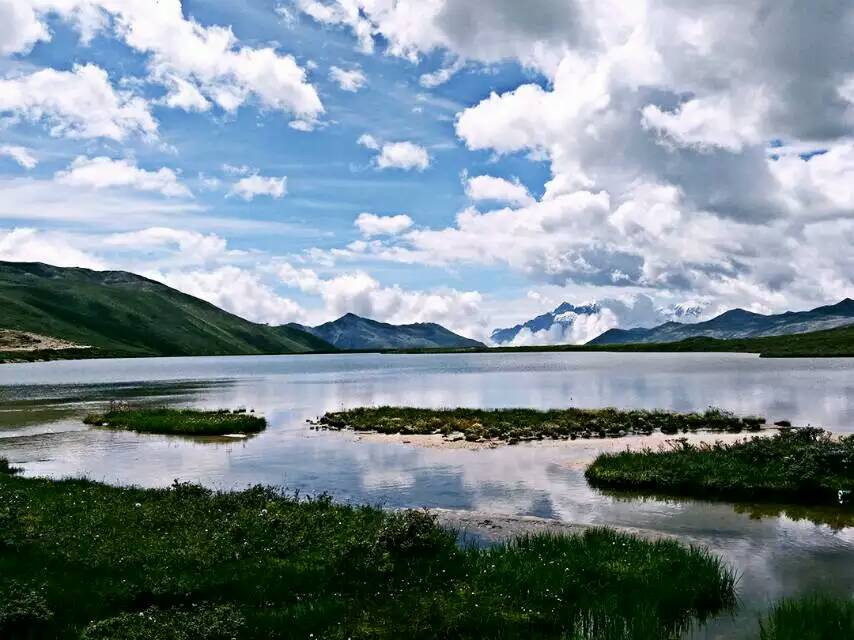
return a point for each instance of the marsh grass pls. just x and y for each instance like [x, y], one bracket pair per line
[186, 562]
[815, 617]
[805, 466]
[7, 468]
[188, 422]
[514, 425]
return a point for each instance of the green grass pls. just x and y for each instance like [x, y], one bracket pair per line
[122, 314]
[828, 343]
[7, 468]
[803, 466]
[815, 617]
[186, 562]
[187, 422]
[513, 425]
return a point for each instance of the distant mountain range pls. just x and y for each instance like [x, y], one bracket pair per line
[123, 314]
[738, 323]
[354, 332]
[563, 316]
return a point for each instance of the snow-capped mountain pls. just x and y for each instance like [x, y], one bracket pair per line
[548, 328]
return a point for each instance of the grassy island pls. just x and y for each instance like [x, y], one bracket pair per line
[186, 562]
[805, 466]
[187, 422]
[514, 425]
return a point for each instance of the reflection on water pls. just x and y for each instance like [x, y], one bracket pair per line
[778, 551]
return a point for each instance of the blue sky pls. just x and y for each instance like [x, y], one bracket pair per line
[570, 153]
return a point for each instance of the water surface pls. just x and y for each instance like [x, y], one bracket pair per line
[778, 551]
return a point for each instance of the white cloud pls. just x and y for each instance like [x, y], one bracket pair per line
[184, 95]
[192, 246]
[197, 63]
[730, 123]
[31, 245]
[79, 104]
[348, 80]
[237, 290]
[490, 188]
[440, 76]
[489, 31]
[21, 155]
[403, 155]
[48, 199]
[254, 185]
[105, 173]
[396, 155]
[368, 141]
[20, 27]
[374, 225]
[357, 292]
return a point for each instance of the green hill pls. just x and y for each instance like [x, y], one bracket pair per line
[122, 314]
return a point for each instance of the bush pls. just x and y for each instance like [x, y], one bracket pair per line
[23, 610]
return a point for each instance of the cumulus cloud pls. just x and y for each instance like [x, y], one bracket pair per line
[22, 155]
[80, 103]
[490, 188]
[358, 292]
[396, 155]
[198, 64]
[103, 173]
[255, 185]
[24, 244]
[20, 27]
[241, 291]
[374, 225]
[348, 80]
[691, 95]
[488, 31]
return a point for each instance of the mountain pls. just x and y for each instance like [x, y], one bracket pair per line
[564, 316]
[354, 332]
[119, 313]
[738, 323]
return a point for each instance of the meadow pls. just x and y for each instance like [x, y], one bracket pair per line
[186, 562]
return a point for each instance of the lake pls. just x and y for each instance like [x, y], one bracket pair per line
[777, 551]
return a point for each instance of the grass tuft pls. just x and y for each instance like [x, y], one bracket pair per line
[815, 617]
[7, 468]
[188, 422]
[187, 562]
[805, 466]
[514, 425]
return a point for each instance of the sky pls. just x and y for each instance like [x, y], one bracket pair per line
[467, 163]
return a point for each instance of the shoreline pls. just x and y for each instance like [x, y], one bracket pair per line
[496, 527]
[593, 445]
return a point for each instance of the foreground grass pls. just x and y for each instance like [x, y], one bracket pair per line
[513, 425]
[800, 465]
[188, 563]
[188, 422]
[811, 618]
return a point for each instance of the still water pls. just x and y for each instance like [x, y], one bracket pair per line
[777, 551]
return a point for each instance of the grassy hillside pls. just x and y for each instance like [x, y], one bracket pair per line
[119, 313]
